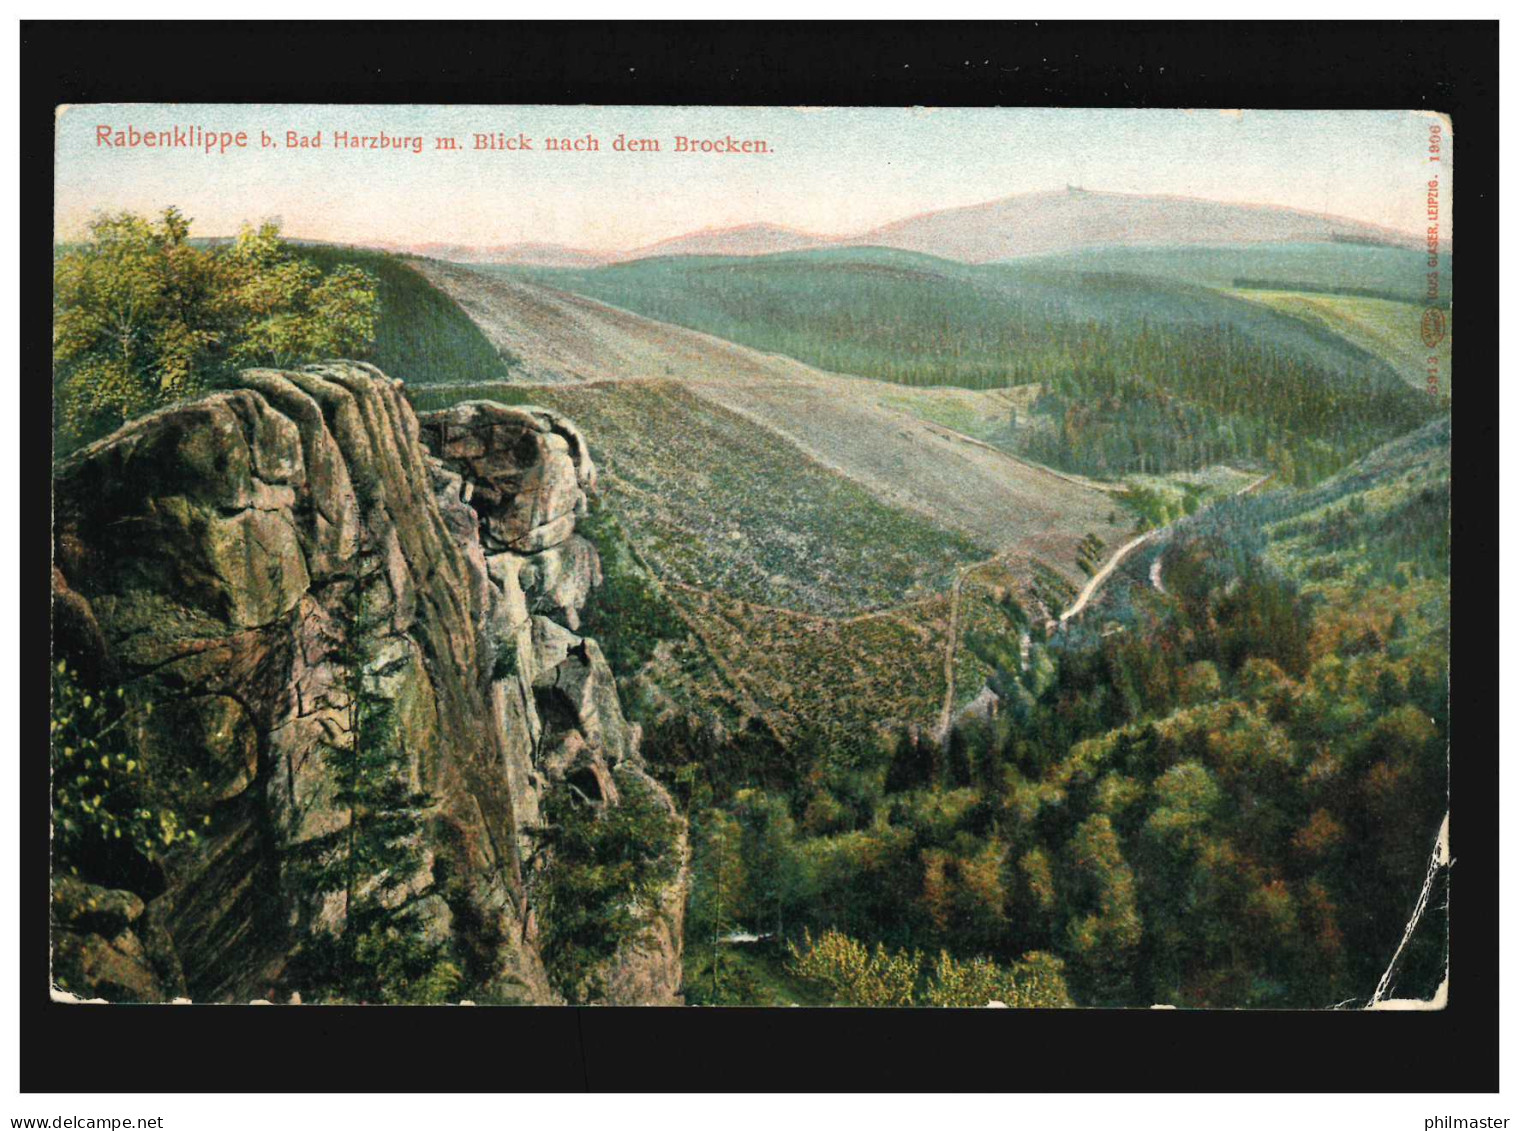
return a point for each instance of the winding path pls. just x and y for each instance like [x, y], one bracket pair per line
[1083, 598]
[1089, 590]
[1159, 562]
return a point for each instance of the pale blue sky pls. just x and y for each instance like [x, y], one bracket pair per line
[834, 171]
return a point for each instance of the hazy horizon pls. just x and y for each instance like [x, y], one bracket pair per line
[828, 172]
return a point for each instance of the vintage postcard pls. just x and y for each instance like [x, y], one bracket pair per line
[751, 556]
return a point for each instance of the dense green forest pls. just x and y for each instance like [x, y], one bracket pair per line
[1136, 373]
[1221, 794]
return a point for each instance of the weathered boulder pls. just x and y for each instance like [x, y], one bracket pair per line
[104, 946]
[528, 470]
[202, 556]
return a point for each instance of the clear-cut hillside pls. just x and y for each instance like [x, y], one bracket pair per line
[844, 424]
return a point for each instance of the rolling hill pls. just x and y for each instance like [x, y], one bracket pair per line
[845, 423]
[792, 547]
[421, 331]
[1040, 223]
[921, 320]
[1386, 329]
[1340, 266]
[746, 239]
[781, 543]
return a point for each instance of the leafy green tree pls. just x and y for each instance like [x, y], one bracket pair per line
[283, 310]
[1036, 982]
[142, 317]
[964, 894]
[1199, 682]
[769, 852]
[852, 974]
[132, 328]
[1104, 930]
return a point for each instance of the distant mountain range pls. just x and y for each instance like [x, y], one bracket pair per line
[1011, 228]
[747, 239]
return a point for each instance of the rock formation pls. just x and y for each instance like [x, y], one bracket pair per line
[202, 553]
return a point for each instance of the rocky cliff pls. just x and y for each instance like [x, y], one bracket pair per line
[202, 556]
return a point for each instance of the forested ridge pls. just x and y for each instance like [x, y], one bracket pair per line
[1136, 373]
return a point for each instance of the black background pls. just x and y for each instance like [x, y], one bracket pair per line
[1448, 67]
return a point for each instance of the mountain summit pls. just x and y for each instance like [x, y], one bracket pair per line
[1048, 222]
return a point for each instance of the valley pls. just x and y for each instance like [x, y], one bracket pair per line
[808, 531]
[807, 528]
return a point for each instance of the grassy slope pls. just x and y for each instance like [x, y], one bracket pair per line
[1394, 270]
[762, 523]
[844, 423]
[423, 337]
[767, 556]
[1386, 515]
[1384, 520]
[1385, 329]
[733, 640]
[761, 585]
[755, 509]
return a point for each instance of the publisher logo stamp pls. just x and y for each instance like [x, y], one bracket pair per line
[1433, 327]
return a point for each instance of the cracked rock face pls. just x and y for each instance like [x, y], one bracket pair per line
[201, 555]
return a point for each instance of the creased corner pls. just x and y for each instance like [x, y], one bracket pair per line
[1439, 860]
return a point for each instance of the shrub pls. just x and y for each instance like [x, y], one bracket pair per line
[854, 975]
[106, 816]
[1037, 982]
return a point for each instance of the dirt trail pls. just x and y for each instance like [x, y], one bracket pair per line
[1158, 564]
[941, 732]
[1082, 600]
[1089, 590]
